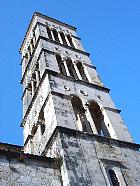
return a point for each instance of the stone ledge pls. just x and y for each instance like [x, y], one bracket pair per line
[14, 151]
[78, 81]
[75, 133]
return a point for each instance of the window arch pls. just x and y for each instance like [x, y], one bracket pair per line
[63, 38]
[49, 33]
[55, 34]
[60, 64]
[113, 178]
[79, 111]
[81, 71]
[41, 120]
[98, 119]
[26, 56]
[70, 41]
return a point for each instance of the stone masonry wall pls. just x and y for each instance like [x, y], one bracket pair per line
[21, 170]
[85, 158]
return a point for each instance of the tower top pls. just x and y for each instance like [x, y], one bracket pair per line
[47, 18]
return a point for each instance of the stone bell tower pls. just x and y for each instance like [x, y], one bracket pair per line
[67, 111]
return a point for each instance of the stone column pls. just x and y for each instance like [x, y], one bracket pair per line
[87, 74]
[60, 38]
[52, 35]
[34, 39]
[74, 43]
[31, 48]
[37, 77]
[33, 88]
[66, 67]
[68, 43]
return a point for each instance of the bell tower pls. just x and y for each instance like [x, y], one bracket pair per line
[68, 112]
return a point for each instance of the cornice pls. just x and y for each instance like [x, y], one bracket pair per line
[45, 17]
[93, 137]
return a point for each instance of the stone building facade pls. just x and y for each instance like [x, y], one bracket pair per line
[73, 133]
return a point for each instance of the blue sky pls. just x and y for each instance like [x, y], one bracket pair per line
[110, 31]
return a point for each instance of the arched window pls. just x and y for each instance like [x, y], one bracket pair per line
[98, 119]
[32, 44]
[55, 34]
[26, 56]
[63, 38]
[25, 60]
[71, 68]
[29, 52]
[60, 65]
[81, 70]
[49, 33]
[113, 178]
[81, 120]
[34, 129]
[41, 120]
[70, 41]
[34, 81]
[29, 87]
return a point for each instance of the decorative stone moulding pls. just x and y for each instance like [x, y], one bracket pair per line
[58, 49]
[77, 56]
[66, 88]
[83, 92]
[67, 52]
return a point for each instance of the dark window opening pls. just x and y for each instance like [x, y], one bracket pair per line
[41, 117]
[79, 112]
[60, 65]
[71, 68]
[26, 56]
[70, 41]
[98, 119]
[33, 131]
[49, 33]
[32, 44]
[55, 35]
[81, 71]
[34, 80]
[29, 88]
[113, 178]
[29, 50]
[63, 38]
[42, 129]
[41, 120]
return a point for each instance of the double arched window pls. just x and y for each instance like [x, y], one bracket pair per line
[89, 118]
